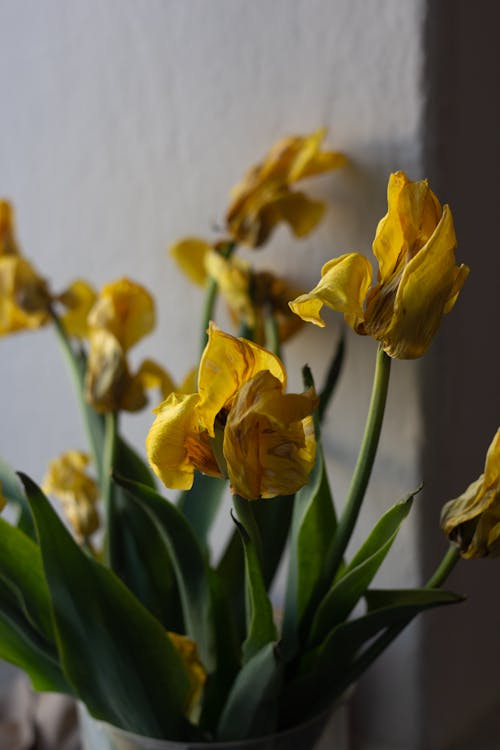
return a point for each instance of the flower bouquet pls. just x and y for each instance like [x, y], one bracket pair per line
[122, 604]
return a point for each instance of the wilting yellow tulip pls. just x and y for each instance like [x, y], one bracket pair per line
[265, 197]
[241, 398]
[78, 298]
[188, 652]
[189, 254]
[473, 519]
[126, 310]
[68, 481]
[24, 296]
[418, 280]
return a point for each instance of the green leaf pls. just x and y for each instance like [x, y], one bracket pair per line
[22, 570]
[324, 672]
[357, 576]
[13, 492]
[140, 557]
[189, 563]
[129, 464]
[251, 708]
[22, 645]
[261, 629]
[201, 503]
[116, 655]
[313, 528]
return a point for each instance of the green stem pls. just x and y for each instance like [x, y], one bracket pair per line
[109, 455]
[365, 460]
[246, 517]
[211, 297]
[444, 568]
[273, 342]
[92, 421]
[332, 377]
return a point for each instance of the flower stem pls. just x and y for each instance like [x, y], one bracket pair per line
[91, 420]
[365, 460]
[273, 342]
[211, 296]
[246, 517]
[109, 451]
[444, 568]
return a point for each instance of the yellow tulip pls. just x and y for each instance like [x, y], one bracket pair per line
[78, 298]
[188, 652]
[240, 394]
[473, 519]
[24, 296]
[418, 280]
[265, 198]
[189, 254]
[126, 310]
[68, 481]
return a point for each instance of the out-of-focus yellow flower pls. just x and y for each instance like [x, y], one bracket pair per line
[240, 394]
[24, 296]
[126, 310]
[78, 298]
[473, 519]
[418, 280]
[188, 652]
[265, 197]
[68, 481]
[189, 254]
[8, 244]
[3, 501]
[253, 295]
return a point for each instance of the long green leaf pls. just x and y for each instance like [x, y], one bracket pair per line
[118, 658]
[251, 709]
[261, 629]
[348, 589]
[189, 564]
[313, 527]
[323, 673]
[22, 645]
[201, 503]
[21, 567]
[13, 492]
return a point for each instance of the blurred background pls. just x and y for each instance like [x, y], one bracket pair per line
[124, 125]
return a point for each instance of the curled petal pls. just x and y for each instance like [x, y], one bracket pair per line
[190, 254]
[226, 364]
[343, 287]
[68, 481]
[107, 372]
[8, 244]
[473, 519]
[269, 442]
[176, 445]
[126, 310]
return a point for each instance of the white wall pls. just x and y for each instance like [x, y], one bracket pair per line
[124, 124]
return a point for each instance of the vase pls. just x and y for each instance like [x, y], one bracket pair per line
[327, 731]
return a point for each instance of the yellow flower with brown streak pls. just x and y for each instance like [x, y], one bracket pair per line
[265, 197]
[263, 437]
[24, 295]
[418, 280]
[67, 480]
[472, 520]
[188, 652]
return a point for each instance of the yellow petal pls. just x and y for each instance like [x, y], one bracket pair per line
[152, 375]
[126, 310]
[301, 213]
[190, 254]
[427, 289]
[176, 445]
[343, 287]
[107, 372]
[24, 296]
[226, 364]
[269, 443]
[188, 652]
[79, 298]
[473, 519]
[68, 481]
[8, 244]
